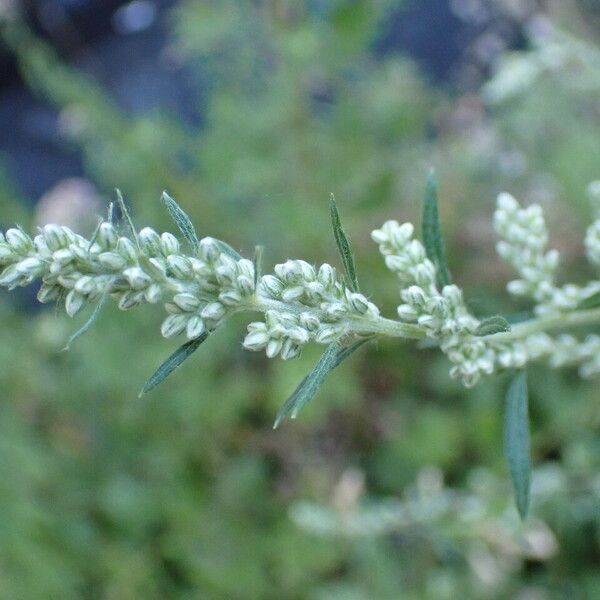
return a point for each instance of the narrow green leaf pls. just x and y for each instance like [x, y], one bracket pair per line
[258, 254]
[491, 325]
[432, 233]
[592, 301]
[95, 234]
[343, 245]
[88, 324]
[181, 220]
[174, 361]
[126, 216]
[309, 386]
[517, 446]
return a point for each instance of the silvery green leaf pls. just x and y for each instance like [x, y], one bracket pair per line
[174, 361]
[95, 234]
[491, 325]
[126, 216]
[110, 212]
[343, 245]
[432, 233]
[181, 220]
[517, 445]
[309, 386]
[258, 254]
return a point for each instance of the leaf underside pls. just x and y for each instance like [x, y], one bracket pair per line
[343, 245]
[182, 221]
[432, 233]
[174, 361]
[333, 356]
[517, 445]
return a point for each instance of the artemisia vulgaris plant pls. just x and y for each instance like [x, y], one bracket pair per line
[201, 282]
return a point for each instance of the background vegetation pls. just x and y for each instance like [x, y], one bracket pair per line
[392, 483]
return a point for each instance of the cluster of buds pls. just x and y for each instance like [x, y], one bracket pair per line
[442, 314]
[200, 290]
[523, 243]
[307, 305]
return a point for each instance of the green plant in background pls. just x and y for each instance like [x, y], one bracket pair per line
[303, 304]
[187, 493]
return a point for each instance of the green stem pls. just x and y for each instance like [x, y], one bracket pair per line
[543, 324]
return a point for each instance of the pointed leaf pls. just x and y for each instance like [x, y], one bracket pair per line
[174, 361]
[181, 220]
[343, 245]
[432, 233]
[309, 386]
[126, 216]
[491, 325]
[258, 253]
[517, 446]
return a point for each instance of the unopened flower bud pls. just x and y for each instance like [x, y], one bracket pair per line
[169, 243]
[173, 325]
[74, 302]
[107, 237]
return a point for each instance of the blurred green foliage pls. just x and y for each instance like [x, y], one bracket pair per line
[186, 492]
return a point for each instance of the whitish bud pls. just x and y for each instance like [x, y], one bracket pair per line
[326, 275]
[414, 296]
[326, 335]
[298, 335]
[208, 249]
[230, 298]
[152, 293]
[179, 266]
[150, 241]
[416, 251]
[18, 240]
[334, 310]
[309, 321]
[407, 312]
[187, 302]
[271, 285]
[273, 348]
[112, 261]
[130, 299]
[85, 285]
[107, 236]
[195, 327]
[292, 294]
[10, 276]
[173, 325]
[506, 202]
[136, 278]
[256, 340]
[359, 303]
[30, 266]
[170, 244]
[402, 234]
[48, 293]
[214, 311]
[246, 267]
[245, 285]
[74, 302]
[518, 287]
[289, 350]
[127, 249]
[425, 274]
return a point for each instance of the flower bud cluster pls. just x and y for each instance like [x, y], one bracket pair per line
[524, 238]
[443, 315]
[201, 289]
[309, 305]
[592, 238]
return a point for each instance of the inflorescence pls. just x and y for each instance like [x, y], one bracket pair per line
[302, 303]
